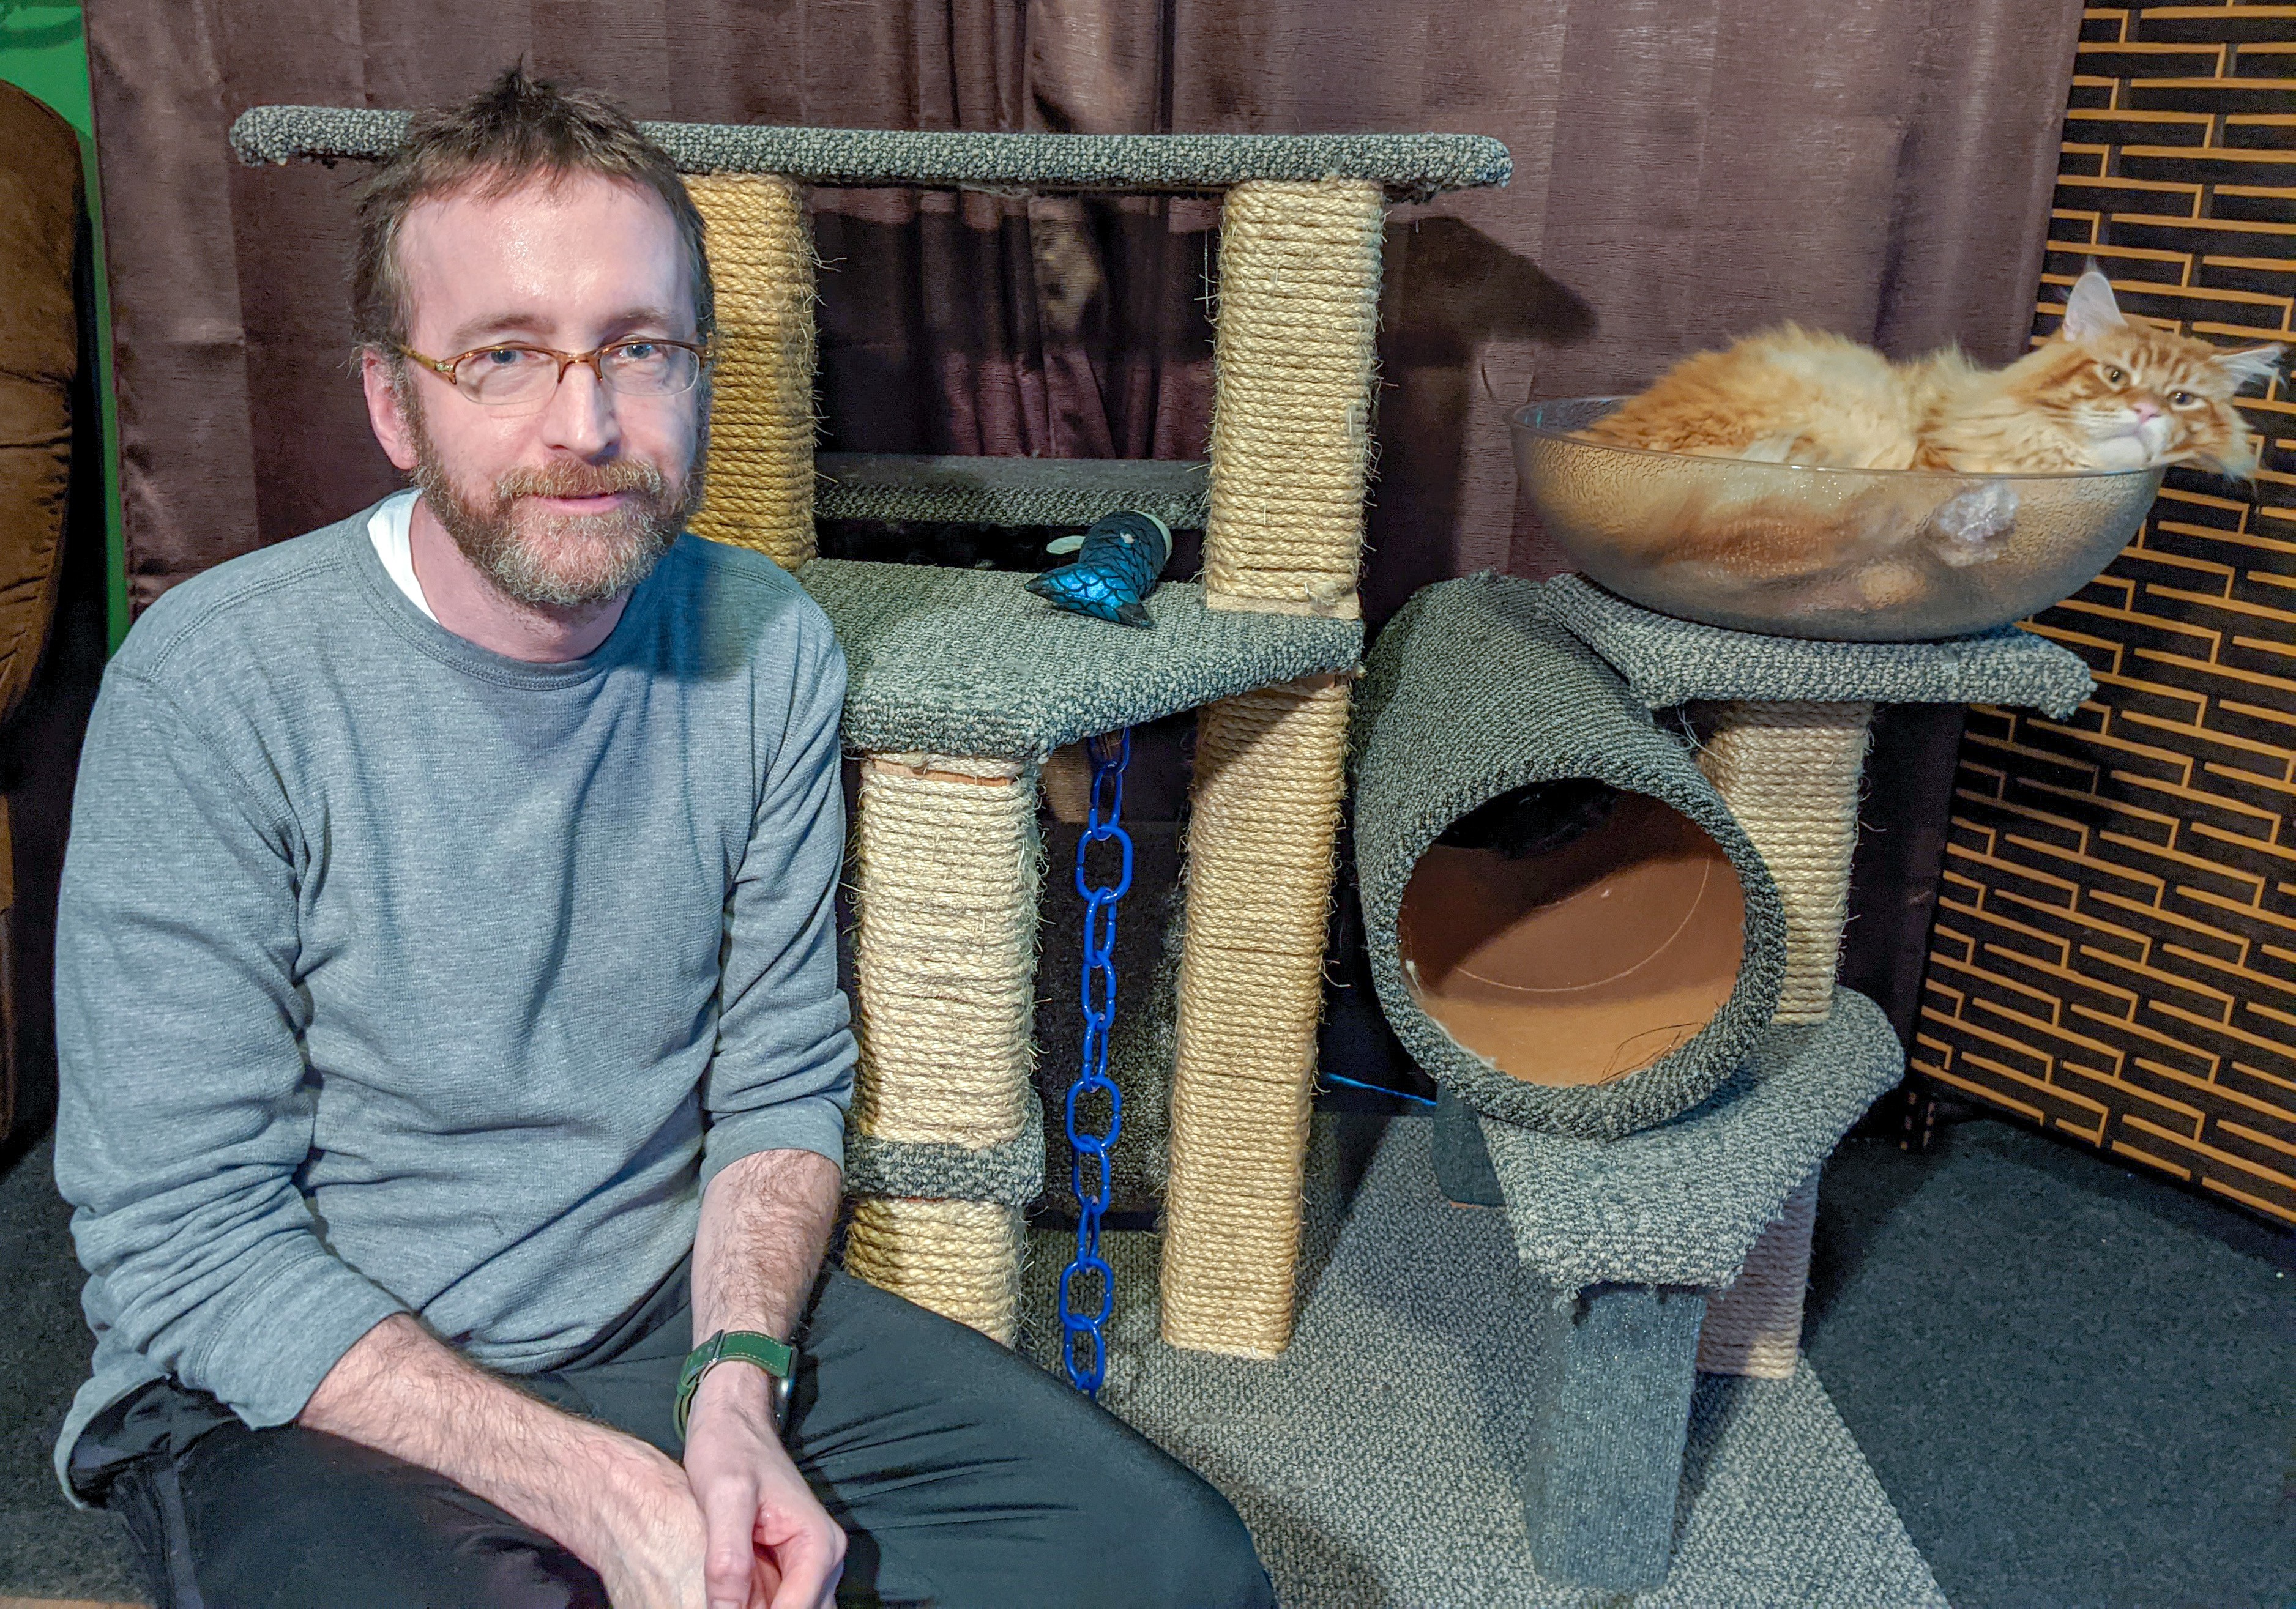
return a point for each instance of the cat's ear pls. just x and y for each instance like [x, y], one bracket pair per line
[2090, 310]
[2249, 365]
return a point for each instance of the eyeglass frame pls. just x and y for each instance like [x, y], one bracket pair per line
[445, 367]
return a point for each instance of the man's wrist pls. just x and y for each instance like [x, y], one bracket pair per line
[632, 1486]
[735, 1380]
[772, 1364]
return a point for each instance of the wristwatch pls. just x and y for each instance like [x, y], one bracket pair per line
[777, 1358]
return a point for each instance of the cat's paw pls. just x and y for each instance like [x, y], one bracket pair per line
[1974, 526]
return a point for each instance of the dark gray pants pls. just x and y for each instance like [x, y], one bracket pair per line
[963, 1475]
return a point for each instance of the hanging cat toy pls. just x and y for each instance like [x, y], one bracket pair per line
[1117, 565]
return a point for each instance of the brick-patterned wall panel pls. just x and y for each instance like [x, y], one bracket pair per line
[2114, 953]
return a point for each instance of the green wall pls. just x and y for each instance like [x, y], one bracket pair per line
[44, 51]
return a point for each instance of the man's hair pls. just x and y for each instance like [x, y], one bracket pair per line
[513, 132]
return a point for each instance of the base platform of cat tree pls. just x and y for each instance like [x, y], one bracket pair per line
[1631, 1250]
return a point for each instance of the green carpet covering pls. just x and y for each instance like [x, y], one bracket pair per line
[1009, 491]
[1472, 691]
[1414, 165]
[47, 1548]
[1669, 661]
[1684, 1203]
[965, 662]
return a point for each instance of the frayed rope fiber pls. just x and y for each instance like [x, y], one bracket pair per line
[758, 491]
[961, 1259]
[1267, 805]
[946, 863]
[945, 870]
[1298, 312]
[1754, 1327]
[1790, 771]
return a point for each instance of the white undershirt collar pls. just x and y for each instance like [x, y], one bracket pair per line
[387, 527]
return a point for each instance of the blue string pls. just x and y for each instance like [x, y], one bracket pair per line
[1356, 1083]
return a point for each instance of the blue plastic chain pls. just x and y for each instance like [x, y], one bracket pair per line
[1082, 1323]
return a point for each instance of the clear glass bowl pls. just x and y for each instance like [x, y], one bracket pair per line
[1853, 555]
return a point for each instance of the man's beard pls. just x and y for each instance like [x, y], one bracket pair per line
[558, 560]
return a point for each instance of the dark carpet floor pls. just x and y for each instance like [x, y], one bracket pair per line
[2077, 1385]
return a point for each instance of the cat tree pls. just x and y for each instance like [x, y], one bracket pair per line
[1651, 1117]
[961, 684]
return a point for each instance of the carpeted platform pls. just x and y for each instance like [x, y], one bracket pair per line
[1362, 1458]
[966, 662]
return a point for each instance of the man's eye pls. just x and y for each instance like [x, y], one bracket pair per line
[505, 357]
[637, 352]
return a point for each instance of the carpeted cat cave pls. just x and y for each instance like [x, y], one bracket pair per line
[1568, 928]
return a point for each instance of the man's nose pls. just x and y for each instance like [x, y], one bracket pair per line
[581, 418]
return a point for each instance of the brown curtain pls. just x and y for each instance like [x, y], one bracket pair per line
[1685, 170]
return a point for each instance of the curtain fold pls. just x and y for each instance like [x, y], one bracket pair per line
[1685, 170]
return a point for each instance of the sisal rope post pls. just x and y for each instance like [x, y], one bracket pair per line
[1755, 1326]
[1293, 359]
[961, 1259]
[945, 864]
[1266, 807]
[1789, 771]
[759, 489]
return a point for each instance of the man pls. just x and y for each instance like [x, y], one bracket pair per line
[450, 1032]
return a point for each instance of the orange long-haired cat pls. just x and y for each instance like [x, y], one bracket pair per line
[2103, 394]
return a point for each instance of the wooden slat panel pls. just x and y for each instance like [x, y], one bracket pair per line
[2114, 955]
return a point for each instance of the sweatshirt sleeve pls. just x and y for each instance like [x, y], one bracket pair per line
[782, 1076]
[184, 1111]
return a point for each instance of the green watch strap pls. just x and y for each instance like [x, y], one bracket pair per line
[777, 1358]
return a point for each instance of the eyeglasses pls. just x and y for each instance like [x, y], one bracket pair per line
[527, 377]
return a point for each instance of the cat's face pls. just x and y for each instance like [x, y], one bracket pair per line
[2135, 396]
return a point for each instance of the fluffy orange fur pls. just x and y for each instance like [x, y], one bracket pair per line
[2103, 394]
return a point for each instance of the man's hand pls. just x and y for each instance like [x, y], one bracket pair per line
[771, 1545]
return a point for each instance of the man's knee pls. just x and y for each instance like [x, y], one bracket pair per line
[294, 1518]
[1168, 1537]
[1221, 1564]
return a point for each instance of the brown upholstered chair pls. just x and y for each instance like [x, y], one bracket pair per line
[39, 225]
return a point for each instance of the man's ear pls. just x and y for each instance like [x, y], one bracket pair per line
[377, 376]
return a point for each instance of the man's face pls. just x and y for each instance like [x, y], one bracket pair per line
[572, 503]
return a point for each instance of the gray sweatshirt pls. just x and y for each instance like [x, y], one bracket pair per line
[395, 975]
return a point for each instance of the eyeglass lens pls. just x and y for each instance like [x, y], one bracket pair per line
[522, 374]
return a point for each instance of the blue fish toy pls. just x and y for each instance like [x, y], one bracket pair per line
[1117, 565]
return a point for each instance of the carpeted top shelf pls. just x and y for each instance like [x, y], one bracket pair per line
[965, 662]
[1010, 491]
[1416, 166]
